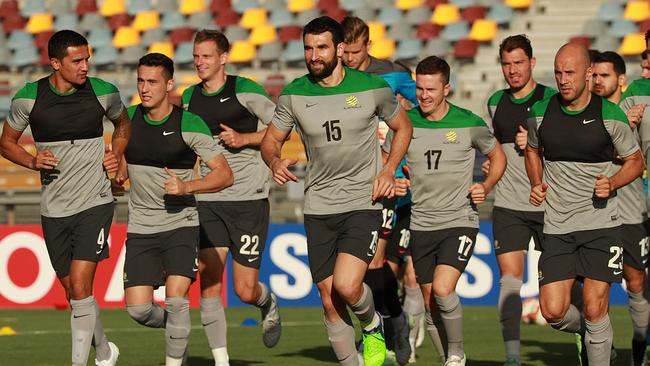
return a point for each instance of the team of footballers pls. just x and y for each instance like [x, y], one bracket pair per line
[565, 165]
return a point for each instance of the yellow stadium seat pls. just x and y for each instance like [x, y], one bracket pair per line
[263, 34]
[253, 17]
[637, 10]
[297, 6]
[192, 6]
[377, 31]
[190, 79]
[408, 4]
[519, 4]
[242, 52]
[633, 44]
[483, 30]
[383, 48]
[445, 14]
[146, 20]
[125, 37]
[135, 99]
[112, 7]
[40, 22]
[166, 48]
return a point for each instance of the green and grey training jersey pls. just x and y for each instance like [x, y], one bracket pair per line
[244, 106]
[70, 125]
[441, 166]
[172, 143]
[577, 146]
[338, 127]
[507, 114]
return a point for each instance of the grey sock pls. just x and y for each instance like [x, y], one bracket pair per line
[100, 342]
[436, 331]
[364, 309]
[452, 317]
[265, 297]
[151, 315]
[572, 321]
[640, 312]
[413, 301]
[598, 340]
[510, 313]
[82, 323]
[342, 338]
[213, 319]
[177, 331]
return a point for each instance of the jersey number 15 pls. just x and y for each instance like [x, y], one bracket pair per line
[332, 130]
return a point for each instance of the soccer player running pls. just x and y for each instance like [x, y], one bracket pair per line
[608, 80]
[335, 110]
[380, 276]
[237, 217]
[576, 134]
[163, 230]
[514, 219]
[444, 217]
[65, 111]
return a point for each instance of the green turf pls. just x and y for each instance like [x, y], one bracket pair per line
[44, 339]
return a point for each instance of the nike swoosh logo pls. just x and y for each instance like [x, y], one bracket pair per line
[165, 133]
[462, 259]
[252, 259]
[208, 323]
[172, 337]
[99, 251]
[309, 105]
[80, 316]
[584, 121]
[616, 273]
[223, 99]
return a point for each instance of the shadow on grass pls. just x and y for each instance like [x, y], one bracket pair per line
[550, 353]
[203, 361]
[319, 353]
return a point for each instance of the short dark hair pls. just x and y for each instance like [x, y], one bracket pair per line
[593, 54]
[57, 46]
[614, 58]
[324, 24]
[215, 36]
[434, 65]
[511, 43]
[354, 28]
[158, 59]
[644, 54]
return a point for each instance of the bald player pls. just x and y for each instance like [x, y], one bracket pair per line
[576, 133]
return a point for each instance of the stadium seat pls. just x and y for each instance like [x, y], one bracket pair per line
[336, 14]
[606, 42]
[8, 7]
[483, 30]
[184, 53]
[368, 14]
[455, 31]
[119, 20]
[227, 18]
[380, 4]
[20, 39]
[436, 46]
[501, 14]
[166, 6]
[610, 12]
[382, 48]
[417, 16]
[112, 7]
[294, 52]
[86, 6]
[408, 49]
[434, 3]
[153, 36]
[390, 16]
[145, 20]
[104, 56]
[400, 31]
[241, 6]
[445, 14]
[203, 20]
[307, 16]
[263, 34]
[66, 21]
[489, 3]
[166, 48]
[465, 49]
[236, 33]
[217, 6]
[581, 40]
[134, 7]
[92, 21]
[253, 17]
[519, 4]
[130, 55]
[408, 4]
[644, 26]
[25, 56]
[632, 45]
[181, 35]
[594, 28]
[242, 52]
[352, 5]
[100, 37]
[463, 3]
[187, 7]
[280, 18]
[135, 99]
[125, 37]
[172, 20]
[41, 39]
[621, 27]
[40, 22]
[426, 31]
[297, 6]
[377, 31]
[325, 5]
[13, 22]
[472, 13]
[637, 10]
[269, 52]
[58, 7]
[31, 7]
[290, 33]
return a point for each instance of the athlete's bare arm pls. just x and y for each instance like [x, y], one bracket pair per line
[271, 148]
[632, 168]
[236, 139]
[497, 159]
[11, 150]
[219, 177]
[121, 134]
[384, 185]
[533, 159]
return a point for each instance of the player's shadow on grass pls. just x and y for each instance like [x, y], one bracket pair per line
[319, 353]
[202, 361]
[550, 353]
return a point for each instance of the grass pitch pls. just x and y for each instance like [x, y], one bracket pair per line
[43, 338]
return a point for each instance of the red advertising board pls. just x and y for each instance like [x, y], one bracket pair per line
[27, 279]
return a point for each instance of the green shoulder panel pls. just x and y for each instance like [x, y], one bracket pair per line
[539, 108]
[495, 98]
[187, 95]
[246, 85]
[190, 122]
[29, 91]
[456, 118]
[354, 82]
[101, 87]
[638, 87]
[131, 110]
[613, 112]
[548, 91]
